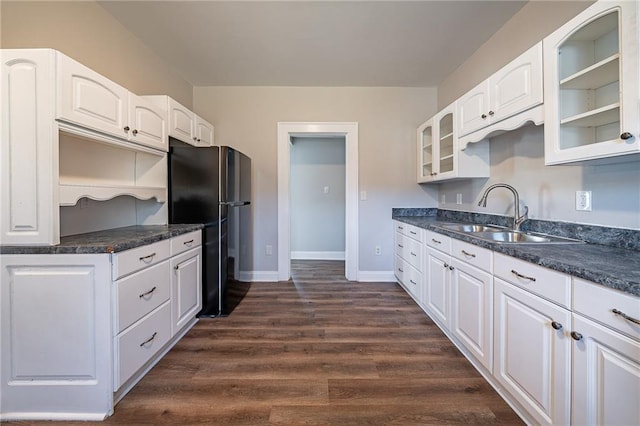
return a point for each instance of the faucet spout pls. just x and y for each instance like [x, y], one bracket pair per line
[517, 219]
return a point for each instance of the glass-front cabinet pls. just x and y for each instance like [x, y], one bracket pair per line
[591, 85]
[439, 156]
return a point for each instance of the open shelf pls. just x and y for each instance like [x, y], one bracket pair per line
[598, 117]
[70, 194]
[597, 75]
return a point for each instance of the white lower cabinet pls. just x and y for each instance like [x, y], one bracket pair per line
[533, 352]
[408, 258]
[561, 350]
[79, 330]
[471, 319]
[606, 376]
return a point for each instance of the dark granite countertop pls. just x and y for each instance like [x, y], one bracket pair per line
[610, 266]
[107, 241]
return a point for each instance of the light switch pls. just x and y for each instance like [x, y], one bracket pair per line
[363, 195]
[326, 189]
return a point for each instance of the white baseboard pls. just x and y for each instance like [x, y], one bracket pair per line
[258, 276]
[376, 276]
[317, 255]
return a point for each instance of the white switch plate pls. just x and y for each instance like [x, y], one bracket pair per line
[268, 250]
[458, 198]
[326, 189]
[583, 201]
[363, 195]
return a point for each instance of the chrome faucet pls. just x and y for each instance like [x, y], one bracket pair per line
[517, 219]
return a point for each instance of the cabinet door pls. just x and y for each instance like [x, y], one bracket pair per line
[181, 122]
[90, 100]
[203, 132]
[186, 297]
[591, 85]
[437, 291]
[606, 376]
[426, 152]
[517, 86]
[532, 359]
[55, 334]
[471, 313]
[29, 150]
[148, 123]
[447, 146]
[473, 109]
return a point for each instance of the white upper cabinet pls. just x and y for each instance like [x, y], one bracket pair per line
[439, 156]
[184, 124]
[88, 99]
[148, 123]
[28, 152]
[591, 85]
[514, 88]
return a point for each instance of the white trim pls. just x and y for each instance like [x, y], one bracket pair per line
[317, 255]
[350, 132]
[258, 276]
[376, 276]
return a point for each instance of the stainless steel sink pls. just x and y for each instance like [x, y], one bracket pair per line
[523, 237]
[468, 227]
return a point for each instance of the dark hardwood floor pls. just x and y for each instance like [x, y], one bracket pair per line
[317, 350]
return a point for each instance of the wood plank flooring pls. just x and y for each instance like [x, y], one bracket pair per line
[317, 350]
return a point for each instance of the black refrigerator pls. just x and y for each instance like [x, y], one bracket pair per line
[212, 186]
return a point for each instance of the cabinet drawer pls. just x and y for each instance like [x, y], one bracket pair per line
[185, 242]
[414, 232]
[400, 227]
[413, 253]
[140, 293]
[598, 302]
[141, 342]
[552, 285]
[400, 268]
[438, 241]
[141, 257]
[400, 245]
[477, 256]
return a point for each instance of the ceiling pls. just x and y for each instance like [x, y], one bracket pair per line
[314, 43]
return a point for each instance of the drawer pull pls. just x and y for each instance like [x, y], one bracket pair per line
[556, 325]
[414, 233]
[400, 245]
[436, 241]
[468, 254]
[400, 269]
[148, 292]
[413, 282]
[150, 339]
[400, 227]
[149, 258]
[514, 272]
[625, 316]
[413, 254]
[188, 243]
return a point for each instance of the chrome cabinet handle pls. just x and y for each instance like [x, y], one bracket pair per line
[188, 243]
[198, 140]
[195, 139]
[413, 282]
[483, 116]
[400, 269]
[149, 257]
[135, 132]
[576, 336]
[625, 316]
[150, 339]
[517, 274]
[436, 241]
[412, 232]
[413, 254]
[400, 245]
[148, 292]
[491, 112]
[451, 268]
[127, 128]
[468, 254]
[626, 135]
[446, 265]
[556, 325]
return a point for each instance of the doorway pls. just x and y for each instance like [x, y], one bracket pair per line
[287, 131]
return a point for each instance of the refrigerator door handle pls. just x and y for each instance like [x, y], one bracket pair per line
[235, 203]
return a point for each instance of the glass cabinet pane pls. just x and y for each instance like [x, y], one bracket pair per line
[427, 152]
[445, 157]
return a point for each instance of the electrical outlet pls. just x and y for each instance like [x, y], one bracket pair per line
[583, 201]
[458, 198]
[378, 251]
[326, 189]
[443, 198]
[269, 250]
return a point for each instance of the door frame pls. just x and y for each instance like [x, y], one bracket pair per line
[348, 130]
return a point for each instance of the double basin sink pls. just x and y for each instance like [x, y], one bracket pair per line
[498, 234]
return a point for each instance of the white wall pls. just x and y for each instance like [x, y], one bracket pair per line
[246, 118]
[517, 158]
[317, 216]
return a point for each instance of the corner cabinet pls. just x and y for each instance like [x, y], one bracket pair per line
[591, 85]
[438, 153]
